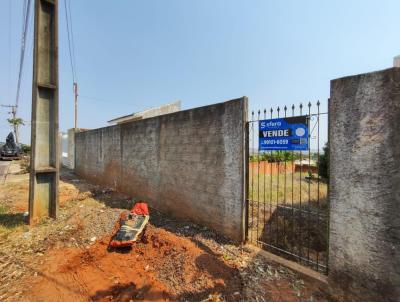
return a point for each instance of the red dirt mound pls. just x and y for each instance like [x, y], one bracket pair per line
[164, 267]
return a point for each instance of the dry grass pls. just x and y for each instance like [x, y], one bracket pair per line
[290, 212]
[283, 189]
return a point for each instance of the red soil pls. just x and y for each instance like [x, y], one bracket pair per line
[164, 267]
[264, 167]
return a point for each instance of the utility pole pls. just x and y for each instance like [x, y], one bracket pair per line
[14, 115]
[44, 175]
[76, 105]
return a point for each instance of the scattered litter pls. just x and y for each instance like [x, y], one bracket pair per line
[131, 226]
[184, 268]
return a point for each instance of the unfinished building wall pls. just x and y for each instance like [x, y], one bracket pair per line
[364, 133]
[190, 164]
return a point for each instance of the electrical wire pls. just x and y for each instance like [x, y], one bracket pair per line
[72, 35]
[71, 44]
[28, 55]
[95, 99]
[25, 24]
[9, 46]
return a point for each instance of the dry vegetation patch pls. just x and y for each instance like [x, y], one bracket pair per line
[67, 259]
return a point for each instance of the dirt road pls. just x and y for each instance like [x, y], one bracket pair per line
[67, 259]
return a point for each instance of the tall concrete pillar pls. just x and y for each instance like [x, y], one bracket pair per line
[44, 175]
[364, 251]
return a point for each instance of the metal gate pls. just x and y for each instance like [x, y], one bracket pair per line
[287, 191]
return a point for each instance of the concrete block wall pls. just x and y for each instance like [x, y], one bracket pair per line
[364, 131]
[71, 148]
[190, 164]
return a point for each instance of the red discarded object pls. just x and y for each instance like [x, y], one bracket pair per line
[140, 208]
[115, 243]
[131, 226]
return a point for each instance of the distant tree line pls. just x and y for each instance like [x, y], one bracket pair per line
[275, 156]
[285, 156]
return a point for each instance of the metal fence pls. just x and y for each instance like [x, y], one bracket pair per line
[287, 203]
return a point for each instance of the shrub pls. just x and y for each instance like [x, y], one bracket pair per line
[323, 164]
[25, 148]
[25, 164]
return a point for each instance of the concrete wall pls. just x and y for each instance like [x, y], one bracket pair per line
[71, 148]
[189, 164]
[152, 112]
[365, 185]
[67, 148]
[164, 109]
[64, 159]
[396, 61]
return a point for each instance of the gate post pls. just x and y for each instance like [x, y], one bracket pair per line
[364, 133]
[246, 181]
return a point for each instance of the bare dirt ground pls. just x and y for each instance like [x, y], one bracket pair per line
[67, 259]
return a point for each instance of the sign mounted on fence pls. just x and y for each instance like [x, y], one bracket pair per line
[289, 133]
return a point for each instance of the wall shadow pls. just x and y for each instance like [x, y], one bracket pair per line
[107, 196]
[128, 291]
[12, 220]
[298, 230]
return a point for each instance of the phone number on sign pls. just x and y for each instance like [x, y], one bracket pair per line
[276, 142]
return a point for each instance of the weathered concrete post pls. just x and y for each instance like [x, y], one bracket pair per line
[44, 175]
[71, 148]
[364, 135]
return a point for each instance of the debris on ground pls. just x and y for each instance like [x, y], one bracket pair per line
[67, 259]
[130, 226]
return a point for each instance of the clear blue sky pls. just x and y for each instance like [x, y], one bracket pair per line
[137, 54]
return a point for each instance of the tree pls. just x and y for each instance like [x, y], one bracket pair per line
[15, 123]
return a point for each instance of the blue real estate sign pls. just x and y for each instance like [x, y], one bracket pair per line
[289, 133]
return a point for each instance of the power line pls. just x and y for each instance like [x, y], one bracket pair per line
[28, 56]
[72, 34]
[25, 25]
[95, 99]
[72, 59]
[70, 44]
[9, 47]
